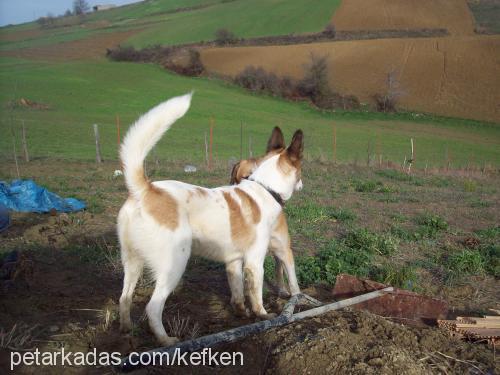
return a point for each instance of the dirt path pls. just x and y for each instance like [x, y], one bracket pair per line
[453, 15]
[451, 76]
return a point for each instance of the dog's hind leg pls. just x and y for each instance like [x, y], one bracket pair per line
[133, 265]
[234, 272]
[168, 266]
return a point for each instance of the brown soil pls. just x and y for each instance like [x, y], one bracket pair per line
[455, 76]
[19, 35]
[93, 47]
[453, 15]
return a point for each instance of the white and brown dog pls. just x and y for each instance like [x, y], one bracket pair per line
[162, 222]
[279, 245]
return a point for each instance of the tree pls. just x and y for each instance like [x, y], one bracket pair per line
[80, 7]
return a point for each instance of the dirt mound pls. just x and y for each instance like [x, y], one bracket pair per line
[353, 342]
[454, 76]
[453, 15]
[93, 47]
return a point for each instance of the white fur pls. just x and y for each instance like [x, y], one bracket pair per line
[203, 224]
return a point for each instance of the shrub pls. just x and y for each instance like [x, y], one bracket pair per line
[47, 22]
[258, 80]
[315, 82]
[224, 36]
[192, 68]
[366, 186]
[329, 31]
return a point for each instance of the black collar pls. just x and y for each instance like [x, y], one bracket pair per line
[274, 194]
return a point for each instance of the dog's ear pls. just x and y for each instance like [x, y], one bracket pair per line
[276, 141]
[234, 174]
[296, 147]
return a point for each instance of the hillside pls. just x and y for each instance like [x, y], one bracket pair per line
[457, 77]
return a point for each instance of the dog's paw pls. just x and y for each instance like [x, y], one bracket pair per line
[125, 327]
[169, 341]
[283, 293]
[267, 316]
[241, 311]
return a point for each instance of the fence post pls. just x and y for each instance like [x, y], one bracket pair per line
[118, 131]
[210, 160]
[241, 140]
[334, 143]
[25, 144]
[98, 157]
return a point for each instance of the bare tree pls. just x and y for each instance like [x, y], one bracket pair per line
[80, 7]
[387, 102]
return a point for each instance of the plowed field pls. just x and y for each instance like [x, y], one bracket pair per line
[453, 76]
[453, 15]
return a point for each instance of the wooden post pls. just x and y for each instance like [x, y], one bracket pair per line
[250, 152]
[210, 160]
[15, 155]
[334, 143]
[118, 140]
[206, 150]
[379, 151]
[241, 139]
[98, 157]
[412, 159]
[25, 144]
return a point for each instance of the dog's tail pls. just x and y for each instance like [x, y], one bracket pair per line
[143, 135]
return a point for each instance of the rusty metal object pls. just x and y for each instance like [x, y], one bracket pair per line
[405, 306]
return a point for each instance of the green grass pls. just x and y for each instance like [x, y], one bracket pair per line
[83, 93]
[244, 18]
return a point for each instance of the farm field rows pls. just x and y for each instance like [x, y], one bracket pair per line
[453, 15]
[450, 76]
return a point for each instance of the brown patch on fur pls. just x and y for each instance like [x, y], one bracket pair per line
[201, 192]
[248, 202]
[244, 168]
[162, 206]
[242, 233]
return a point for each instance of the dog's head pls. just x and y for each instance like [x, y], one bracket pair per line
[279, 169]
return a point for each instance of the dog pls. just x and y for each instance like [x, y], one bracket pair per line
[163, 222]
[279, 245]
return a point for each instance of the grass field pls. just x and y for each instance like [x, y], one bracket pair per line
[157, 24]
[80, 94]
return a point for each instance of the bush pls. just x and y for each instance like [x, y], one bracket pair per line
[47, 21]
[224, 36]
[258, 80]
[329, 31]
[387, 101]
[315, 82]
[192, 68]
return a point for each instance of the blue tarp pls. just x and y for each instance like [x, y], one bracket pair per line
[27, 196]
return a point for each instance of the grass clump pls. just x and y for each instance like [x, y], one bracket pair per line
[396, 175]
[333, 259]
[363, 239]
[464, 263]
[396, 275]
[430, 225]
[341, 214]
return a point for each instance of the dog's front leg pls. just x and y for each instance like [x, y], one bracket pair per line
[254, 272]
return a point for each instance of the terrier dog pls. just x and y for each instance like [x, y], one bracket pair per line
[163, 222]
